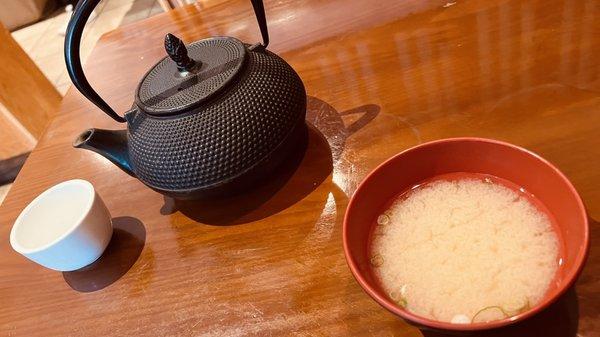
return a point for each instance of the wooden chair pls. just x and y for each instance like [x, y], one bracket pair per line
[27, 102]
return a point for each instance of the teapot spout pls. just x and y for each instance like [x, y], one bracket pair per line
[111, 144]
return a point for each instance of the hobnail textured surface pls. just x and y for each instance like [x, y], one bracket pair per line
[165, 91]
[225, 137]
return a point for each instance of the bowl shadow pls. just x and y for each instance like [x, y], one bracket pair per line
[123, 250]
[307, 167]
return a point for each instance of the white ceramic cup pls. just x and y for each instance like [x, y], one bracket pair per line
[65, 228]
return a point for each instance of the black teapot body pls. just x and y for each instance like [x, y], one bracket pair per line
[212, 118]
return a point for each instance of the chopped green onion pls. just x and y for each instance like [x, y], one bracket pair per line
[376, 260]
[383, 219]
[487, 308]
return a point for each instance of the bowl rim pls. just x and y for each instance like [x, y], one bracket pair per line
[407, 315]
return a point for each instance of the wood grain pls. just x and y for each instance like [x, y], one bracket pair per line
[24, 90]
[382, 76]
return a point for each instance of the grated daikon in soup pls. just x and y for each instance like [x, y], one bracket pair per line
[462, 251]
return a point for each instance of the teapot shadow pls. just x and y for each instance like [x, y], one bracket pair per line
[123, 250]
[307, 167]
[331, 124]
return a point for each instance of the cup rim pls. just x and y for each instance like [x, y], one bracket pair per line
[84, 184]
[405, 314]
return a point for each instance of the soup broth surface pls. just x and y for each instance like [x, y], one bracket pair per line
[465, 248]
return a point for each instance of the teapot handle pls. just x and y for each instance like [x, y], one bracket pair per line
[81, 13]
[259, 12]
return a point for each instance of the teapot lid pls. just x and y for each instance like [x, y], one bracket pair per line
[189, 76]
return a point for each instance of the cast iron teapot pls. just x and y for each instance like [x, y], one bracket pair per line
[211, 118]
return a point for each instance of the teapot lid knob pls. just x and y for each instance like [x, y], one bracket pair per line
[179, 83]
[178, 53]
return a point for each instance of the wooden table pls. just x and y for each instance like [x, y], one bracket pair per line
[382, 76]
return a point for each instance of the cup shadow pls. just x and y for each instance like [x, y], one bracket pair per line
[124, 248]
[306, 168]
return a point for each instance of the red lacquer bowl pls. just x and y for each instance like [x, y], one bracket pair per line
[472, 155]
